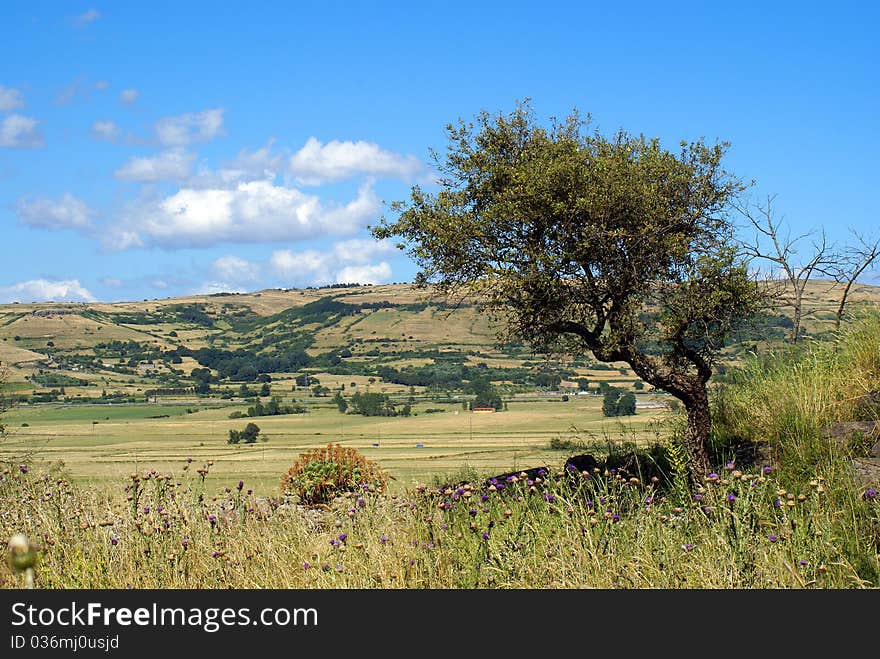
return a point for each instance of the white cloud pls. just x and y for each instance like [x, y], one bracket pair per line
[171, 165]
[346, 262]
[233, 268]
[68, 212]
[259, 165]
[20, 132]
[257, 211]
[129, 96]
[10, 99]
[86, 18]
[105, 130]
[213, 287]
[364, 274]
[307, 267]
[190, 128]
[43, 290]
[111, 282]
[360, 251]
[316, 163]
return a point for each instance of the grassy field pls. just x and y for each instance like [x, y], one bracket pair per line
[106, 442]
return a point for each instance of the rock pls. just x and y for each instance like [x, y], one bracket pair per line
[845, 433]
[583, 462]
[867, 471]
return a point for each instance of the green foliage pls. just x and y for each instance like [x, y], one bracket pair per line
[372, 404]
[341, 403]
[321, 474]
[248, 435]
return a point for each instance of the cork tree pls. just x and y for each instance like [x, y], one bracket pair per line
[577, 242]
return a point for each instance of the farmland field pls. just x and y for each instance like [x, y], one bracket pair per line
[104, 443]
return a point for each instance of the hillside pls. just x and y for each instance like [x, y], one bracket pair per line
[336, 333]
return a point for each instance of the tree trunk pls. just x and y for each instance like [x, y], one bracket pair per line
[696, 435]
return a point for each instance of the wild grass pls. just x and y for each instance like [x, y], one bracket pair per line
[796, 519]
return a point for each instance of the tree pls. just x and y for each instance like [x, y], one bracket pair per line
[341, 403]
[265, 390]
[578, 242]
[609, 401]
[782, 254]
[583, 384]
[626, 406]
[852, 264]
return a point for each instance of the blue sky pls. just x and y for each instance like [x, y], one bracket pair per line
[157, 149]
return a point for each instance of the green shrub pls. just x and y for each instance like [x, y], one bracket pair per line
[322, 473]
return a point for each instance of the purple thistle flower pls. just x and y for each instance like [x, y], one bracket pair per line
[698, 496]
[485, 509]
[615, 517]
[485, 535]
[549, 498]
[431, 545]
[777, 503]
[188, 460]
[649, 500]
[184, 542]
[215, 554]
[542, 472]
[730, 466]
[773, 537]
[114, 541]
[602, 500]
[802, 562]
[146, 509]
[250, 491]
[707, 510]
[712, 477]
[212, 519]
[493, 481]
[342, 537]
[444, 527]
[334, 542]
[365, 486]
[530, 482]
[766, 470]
[689, 546]
[509, 479]
[870, 493]
[731, 497]
[23, 468]
[306, 566]
[339, 567]
[500, 486]
[361, 502]
[383, 538]
[240, 485]
[472, 512]
[484, 498]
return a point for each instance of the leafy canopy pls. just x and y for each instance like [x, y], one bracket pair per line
[614, 244]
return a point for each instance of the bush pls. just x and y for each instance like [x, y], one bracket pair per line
[322, 473]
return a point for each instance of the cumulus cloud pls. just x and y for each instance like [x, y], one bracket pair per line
[256, 211]
[235, 269]
[68, 212]
[257, 165]
[364, 274]
[86, 18]
[20, 132]
[43, 290]
[213, 287]
[317, 163]
[170, 165]
[190, 128]
[129, 96]
[105, 130]
[10, 99]
[346, 262]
